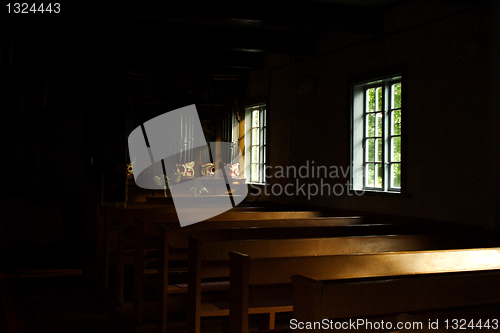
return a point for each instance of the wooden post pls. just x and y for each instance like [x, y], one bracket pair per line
[120, 270]
[307, 299]
[106, 250]
[139, 270]
[239, 292]
[163, 279]
[194, 287]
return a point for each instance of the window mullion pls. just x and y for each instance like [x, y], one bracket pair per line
[261, 143]
[386, 132]
[392, 163]
[365, 131]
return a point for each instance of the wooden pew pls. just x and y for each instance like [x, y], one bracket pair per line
[346, 226]
[154, 214]
[316, 300]
[149, 211]
[142, 235]
[166, 214]
[174, 243]
[109, 230]
[210, 260]
[271, 272]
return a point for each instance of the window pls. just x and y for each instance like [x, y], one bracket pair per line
[376, 135]
[230, 133]
[255, 143]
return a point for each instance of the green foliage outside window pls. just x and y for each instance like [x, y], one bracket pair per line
[374, 135]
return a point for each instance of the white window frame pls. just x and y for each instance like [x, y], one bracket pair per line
[260, 148]
[360, 137]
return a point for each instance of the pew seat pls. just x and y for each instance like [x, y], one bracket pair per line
[315, 301]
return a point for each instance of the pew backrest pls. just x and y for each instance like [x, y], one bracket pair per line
[271, 229]
[246, 272]
[211, 260]
[315, 300]
[279, 270]
[281, 219]
[308, 247]
[266, 215]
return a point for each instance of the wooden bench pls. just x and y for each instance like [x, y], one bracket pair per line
[268, 273]
[176, 240]
[316, 300]
[164, 215]
[108, 232]
[105, 233]
[270, 229]
[140, 228]
[174, 244]
[211, 260]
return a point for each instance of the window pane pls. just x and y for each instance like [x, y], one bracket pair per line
[370, 99]
[396, 175]
[396, 122]
[370, 175]
[370, 150]
[396, 95]
[396, 149]
[255, 136]
[378, 102]
[264, 118]
[379, 173]
[255, 154]
[379, 124]
[379, 149]
[370, 125]
[255, 173]
[255, 118]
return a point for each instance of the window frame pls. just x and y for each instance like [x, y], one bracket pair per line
[263, 138]
[358, 88]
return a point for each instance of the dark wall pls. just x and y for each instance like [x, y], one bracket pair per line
[68, 104]
[451, 94]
